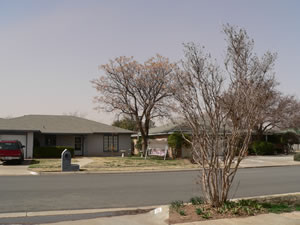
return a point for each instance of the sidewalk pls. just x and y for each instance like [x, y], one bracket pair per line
[292, 218]
[158, 216]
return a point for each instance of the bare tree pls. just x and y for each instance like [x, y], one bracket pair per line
[280, 111]
[139, 91]
[222, 113]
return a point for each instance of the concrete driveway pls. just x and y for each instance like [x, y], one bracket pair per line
[264, 161]
[10, 169]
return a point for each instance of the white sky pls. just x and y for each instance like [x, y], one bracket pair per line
[50, 50]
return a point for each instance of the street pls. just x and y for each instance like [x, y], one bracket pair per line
[87, 191]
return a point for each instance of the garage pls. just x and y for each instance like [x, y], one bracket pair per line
[26, 140]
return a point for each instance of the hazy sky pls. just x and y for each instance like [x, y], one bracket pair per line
[50, 50]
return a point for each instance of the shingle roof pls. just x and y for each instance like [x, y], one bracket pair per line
[168, 129]
[58, 124]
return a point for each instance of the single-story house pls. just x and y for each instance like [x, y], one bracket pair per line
[87, 137]
[158, 137]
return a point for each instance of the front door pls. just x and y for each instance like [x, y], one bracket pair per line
[78, 146]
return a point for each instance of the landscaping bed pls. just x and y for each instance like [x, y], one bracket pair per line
[197, 210]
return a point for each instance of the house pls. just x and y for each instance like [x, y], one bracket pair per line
[158, 137]
[87, 137]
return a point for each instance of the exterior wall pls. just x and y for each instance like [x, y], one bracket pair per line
[296, 147]
[92, 143]
[125, 143]
[61, 140]
[65, 140]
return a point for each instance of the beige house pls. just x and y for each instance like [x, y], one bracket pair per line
[87, 137]
[158, 138]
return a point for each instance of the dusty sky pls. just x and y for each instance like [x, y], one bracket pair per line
[50, 50]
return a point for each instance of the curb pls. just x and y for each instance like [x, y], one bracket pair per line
[148, 171]
[105, 212]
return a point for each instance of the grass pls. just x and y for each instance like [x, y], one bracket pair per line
[133, 163]
[49, 165]
[280, 208]
[137, 163]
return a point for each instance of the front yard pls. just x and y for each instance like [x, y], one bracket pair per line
[115, 164]
[136, 163]
[47, 165]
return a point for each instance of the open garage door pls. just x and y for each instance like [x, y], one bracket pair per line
[13, 137]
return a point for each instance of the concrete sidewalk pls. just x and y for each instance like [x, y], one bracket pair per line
[114, 216]
[292, 218]
[160, 216]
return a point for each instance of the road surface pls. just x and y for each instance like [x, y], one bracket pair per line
[87, 191]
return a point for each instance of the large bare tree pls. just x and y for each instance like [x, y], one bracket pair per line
[280, 111]
[137, 90]
[222, 107]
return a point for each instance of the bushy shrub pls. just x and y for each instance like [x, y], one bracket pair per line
[297, 157]
[197, 200]
[51, 152]
[138, 144]
[263, 148]
[176, 141]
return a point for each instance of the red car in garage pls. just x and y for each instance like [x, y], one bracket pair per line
[11, 150]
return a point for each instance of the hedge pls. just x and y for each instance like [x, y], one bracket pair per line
[51, 152]
[297, 157]
[263, 148]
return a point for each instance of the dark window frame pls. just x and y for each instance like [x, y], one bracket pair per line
[113, 141]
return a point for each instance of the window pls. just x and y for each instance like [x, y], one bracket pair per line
[50, 140]
[110, 143]
[78, 143]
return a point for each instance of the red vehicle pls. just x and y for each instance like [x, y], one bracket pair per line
[11, 150]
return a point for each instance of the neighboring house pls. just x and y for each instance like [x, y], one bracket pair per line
[158, 136]
[87, 137]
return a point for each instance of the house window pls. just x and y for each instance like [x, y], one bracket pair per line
[110, 143]
[50, 140]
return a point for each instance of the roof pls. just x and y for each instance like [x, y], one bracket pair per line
[58, 124]
[168, 129]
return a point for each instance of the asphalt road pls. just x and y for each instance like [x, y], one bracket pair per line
[86, 191]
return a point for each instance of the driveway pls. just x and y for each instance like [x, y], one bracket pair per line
[10, 169]
[265, 161]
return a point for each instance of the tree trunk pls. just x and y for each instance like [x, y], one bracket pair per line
[144, 145]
